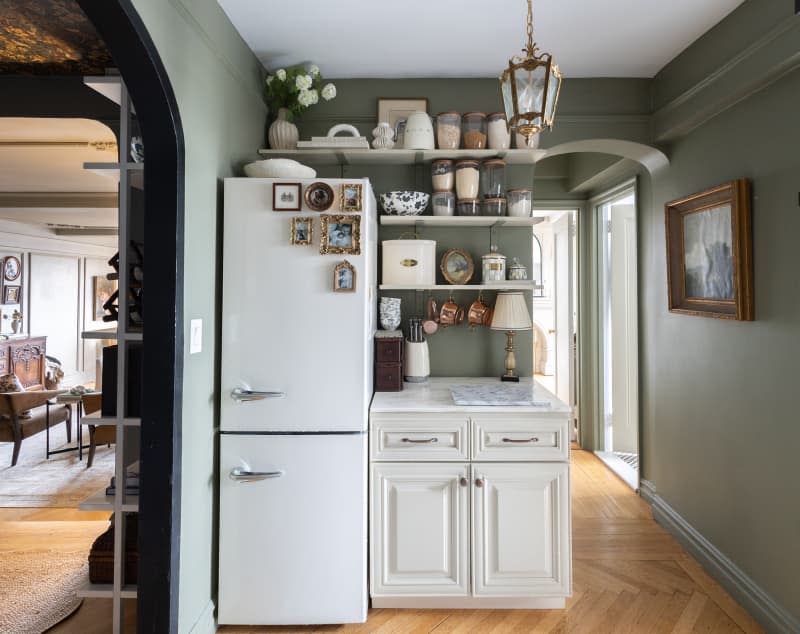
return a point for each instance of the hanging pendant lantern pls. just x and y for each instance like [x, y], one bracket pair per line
[530, 88]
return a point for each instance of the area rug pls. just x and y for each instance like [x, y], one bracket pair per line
[38, 590]
[61, 481]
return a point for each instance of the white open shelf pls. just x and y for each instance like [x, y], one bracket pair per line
[105, 591]
[504, 286]
[96, 419]
[99, 501]
[111, 170]
[349, 156]
[459, 221]
[110, 333]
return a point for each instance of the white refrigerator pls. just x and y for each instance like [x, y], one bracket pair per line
[296, 384]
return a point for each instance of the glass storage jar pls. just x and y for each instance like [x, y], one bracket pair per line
[519, 202]
[493, 178]
[494, 206]
[469, 207]
[473, 130]
[444, 203]
[498, 132]
[467, 179]
[442, 176]
[517, 271]
[493, 266]
[448, 130]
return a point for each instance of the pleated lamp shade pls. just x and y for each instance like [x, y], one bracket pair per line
[511, 312]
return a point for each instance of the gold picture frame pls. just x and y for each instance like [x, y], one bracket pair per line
[340, 235]
[710, 253]
[344, 277]
[457, 266]
[391, 109]
[301, 230]
[351, 197]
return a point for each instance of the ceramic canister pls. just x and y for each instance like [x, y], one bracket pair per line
[419, 132]
[409, 262]
[494, 267]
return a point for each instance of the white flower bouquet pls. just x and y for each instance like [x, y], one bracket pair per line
[296, 89]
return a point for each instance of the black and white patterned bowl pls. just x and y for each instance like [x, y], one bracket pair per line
[404, 203]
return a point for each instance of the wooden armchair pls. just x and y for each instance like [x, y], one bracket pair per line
[98, 434]
[16, 425]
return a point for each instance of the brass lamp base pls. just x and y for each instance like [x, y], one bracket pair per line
[510, 363]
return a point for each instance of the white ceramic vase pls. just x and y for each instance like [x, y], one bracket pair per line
[283, 134]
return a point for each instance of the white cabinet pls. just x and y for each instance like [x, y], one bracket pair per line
[468, 508]
[518, 513]
[420, 532]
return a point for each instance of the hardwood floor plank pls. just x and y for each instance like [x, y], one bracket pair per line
[691, 613]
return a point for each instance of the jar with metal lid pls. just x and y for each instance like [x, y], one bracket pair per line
[467, 179]
[469, 207]
[517, 271]
[442, 175]
[494, 207]
[473, 130]
[498, 132]
[493, 178]
[494, 267]
[444, 203]
[448, 130]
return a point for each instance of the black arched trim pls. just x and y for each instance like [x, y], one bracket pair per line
[147, 82]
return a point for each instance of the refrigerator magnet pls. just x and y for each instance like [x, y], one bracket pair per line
[344, 277]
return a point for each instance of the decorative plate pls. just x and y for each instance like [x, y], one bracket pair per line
[319, 196]
[11, 268]
[457, 266]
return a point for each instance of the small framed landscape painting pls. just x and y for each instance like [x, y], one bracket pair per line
[710, 253]
[344, 277]
[286, 196]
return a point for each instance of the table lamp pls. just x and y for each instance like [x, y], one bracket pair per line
[510, 314]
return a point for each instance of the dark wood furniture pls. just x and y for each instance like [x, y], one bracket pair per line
[388, 361]
[25, 358]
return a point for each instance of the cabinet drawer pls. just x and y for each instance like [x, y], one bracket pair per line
[388, 377]
[419, 437]
[389, 350]
[519, 438]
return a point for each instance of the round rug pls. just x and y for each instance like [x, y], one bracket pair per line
[38, 589]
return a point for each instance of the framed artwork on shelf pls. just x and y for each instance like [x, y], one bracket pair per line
[11, 294]
[11, 268]
[457, 266]
[286, 196]
[393, 109]
[340, 234]
[102, 292]
[344, 277]
[351, 197]
[302, 231]
[710, 253]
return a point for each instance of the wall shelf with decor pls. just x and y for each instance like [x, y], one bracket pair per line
[458, 221]
[127, 334]
[504, 286]
[342, 156]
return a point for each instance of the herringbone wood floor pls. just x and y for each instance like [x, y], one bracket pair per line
[629, 576]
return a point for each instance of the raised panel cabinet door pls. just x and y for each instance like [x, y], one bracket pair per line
[420, 529]
[521, 530]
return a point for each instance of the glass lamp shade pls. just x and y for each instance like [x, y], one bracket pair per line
[511, 312]
[530, 91]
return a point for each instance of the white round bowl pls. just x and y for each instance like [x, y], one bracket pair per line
[404, 203]
[279, 168]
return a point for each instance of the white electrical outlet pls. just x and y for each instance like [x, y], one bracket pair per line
[195, 336]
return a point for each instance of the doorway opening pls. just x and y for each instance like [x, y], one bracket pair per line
[555, 305]
[619, 332]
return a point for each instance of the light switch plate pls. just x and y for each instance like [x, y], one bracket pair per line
[195, 336]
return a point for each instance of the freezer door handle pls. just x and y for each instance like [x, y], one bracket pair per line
[241, 394]
[243, 475]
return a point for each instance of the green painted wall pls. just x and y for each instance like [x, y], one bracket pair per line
[217, 84]
[720, 429]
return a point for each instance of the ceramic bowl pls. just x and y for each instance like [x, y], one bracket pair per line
[404, 203]
[278, 168]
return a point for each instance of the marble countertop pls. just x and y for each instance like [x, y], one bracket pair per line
[435, 396]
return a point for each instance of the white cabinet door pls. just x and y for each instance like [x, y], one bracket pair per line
[420, 535]
[521, 529]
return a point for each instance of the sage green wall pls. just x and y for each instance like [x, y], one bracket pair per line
[720, 429]
[217, 84]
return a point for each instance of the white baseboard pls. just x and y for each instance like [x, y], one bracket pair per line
[745, 590]
[205, 623]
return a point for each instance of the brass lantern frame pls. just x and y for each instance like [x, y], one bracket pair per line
[524, 121]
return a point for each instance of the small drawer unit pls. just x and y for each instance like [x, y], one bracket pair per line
[388, 361]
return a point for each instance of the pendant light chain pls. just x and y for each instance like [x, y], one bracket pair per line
[530, 48]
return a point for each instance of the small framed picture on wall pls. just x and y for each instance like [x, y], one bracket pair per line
[11, 294]
[286, 196]
[344, 277]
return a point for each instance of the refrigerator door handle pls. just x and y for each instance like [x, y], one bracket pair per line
[245, 394]
[243, 475]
